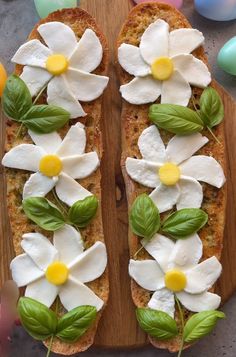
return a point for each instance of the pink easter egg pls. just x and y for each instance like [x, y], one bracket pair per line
[176, 3]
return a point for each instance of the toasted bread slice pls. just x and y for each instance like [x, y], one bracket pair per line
[79, 21]
[135, 120]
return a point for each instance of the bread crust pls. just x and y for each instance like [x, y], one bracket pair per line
[135, 119]
[78, 20]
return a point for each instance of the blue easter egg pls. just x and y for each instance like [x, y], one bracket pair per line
[45, 7]
[219, 10]
[227, 55]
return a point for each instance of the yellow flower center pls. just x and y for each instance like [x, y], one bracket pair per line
[57, 273]
[175, 280]
[50, 165]
[169, 174]
[162, 68]
[57, 64]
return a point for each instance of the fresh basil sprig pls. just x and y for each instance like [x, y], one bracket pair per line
[181, 120]
[184, 222]
[38, 320]
[144, 217]
[75, 323]
[82, 212]
[175, 118]
[49, 217]
[44, 213]
[157, 324]
[17, 105]
[201, 324]
[41, 322]
[211, 107]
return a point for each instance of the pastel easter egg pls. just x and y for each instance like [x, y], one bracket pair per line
[219, 10]
[227, 55]
[176, 3]
[45, 7]
[3, 78]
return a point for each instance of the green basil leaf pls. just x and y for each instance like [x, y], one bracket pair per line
[75, 323]
[82, 212]
[16, 99]
[44, 213]
[201, 324]
[44, 119]
[211, 107]
[175, 118]
[38, 320]
[157, 324]
[184, 222]
[144, 217]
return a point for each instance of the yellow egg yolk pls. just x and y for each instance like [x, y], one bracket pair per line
[50, 165]
[175, 280]
[162, 68]
[3, 79]
[57, 273]
[169, 174]
[57, 64]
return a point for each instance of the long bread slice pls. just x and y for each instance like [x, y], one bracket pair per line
[135, 120]
[79, 20]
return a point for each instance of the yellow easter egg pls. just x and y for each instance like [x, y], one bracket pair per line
[3, 78]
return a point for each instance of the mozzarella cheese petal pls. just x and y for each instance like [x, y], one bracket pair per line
[160, 248]
[184, 41]
[48, 142]
[199, 302]
[23, 157]
[202, 277]
[204, 168]
[68, 243]
[88, 53]
[181, 257]
[89, 265]
[35, 78]
[143, 172]
[70, 191]
[58, 37]
[74, 294]
[74, 142]
[24, 271]
[147, 274]
[163, 300]
[59, 94]
[85, 86]
[32, 53]
[39, 249]
[141, 90]
[155, 41]
[130, 59]
[165, 197]
[151, 145]
[193, 70]
[176, 90]
[42, 291]
[181, 148]
[80, 166]
[191, 193]
[38, 185]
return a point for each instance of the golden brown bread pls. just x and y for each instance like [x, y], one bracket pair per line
[135, 120]
[78, 20]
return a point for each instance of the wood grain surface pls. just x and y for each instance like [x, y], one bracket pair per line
[118, 326]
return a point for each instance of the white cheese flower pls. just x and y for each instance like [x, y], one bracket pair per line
[64, 65]
[175, 271]
[173, 171]
[61, 268]
[163, 66]
[56, 163]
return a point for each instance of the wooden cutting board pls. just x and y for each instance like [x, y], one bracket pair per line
[118, 326]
